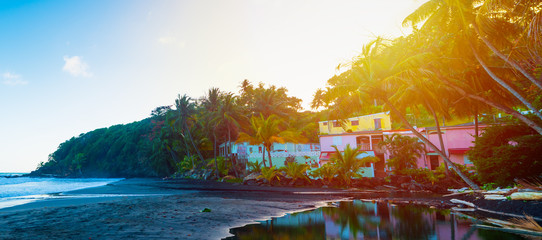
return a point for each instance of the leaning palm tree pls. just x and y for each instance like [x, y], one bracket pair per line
[370, 77]
[475, 21]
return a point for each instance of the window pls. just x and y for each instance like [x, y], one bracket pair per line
[378, 124]
[355, 123]
[337, 141]
[325, 123]
[336, 124]
[260, 149]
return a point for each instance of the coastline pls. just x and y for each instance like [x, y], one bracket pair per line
[154, 209]
[172, 209]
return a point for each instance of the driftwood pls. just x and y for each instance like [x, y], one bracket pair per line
[455, 194]
[510, 230]
[463, 202]
[504, 226]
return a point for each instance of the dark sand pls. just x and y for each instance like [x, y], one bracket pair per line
[156, 209]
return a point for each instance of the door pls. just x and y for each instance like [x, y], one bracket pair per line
[433, 159]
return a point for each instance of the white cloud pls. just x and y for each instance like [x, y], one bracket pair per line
[76, 67]
[12, 79]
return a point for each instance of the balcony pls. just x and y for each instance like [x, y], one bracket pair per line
[364, 146]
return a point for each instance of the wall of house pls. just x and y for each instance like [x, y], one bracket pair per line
[364, 123]
[453, 138]
[341, 141]
[303, 153]
[326, 142]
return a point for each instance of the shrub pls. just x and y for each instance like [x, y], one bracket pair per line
[254, 167]
[269, 174]
[296, 170]
[504, 153]
[326, 172]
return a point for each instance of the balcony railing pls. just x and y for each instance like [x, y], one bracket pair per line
[364, 146]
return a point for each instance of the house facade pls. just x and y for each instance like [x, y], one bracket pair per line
[364, 132]
[367, 131]
[301, 153]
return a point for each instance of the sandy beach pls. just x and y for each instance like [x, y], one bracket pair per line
[156, 209]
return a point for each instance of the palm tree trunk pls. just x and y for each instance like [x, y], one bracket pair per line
[214, 152]
[532, 124]
[233, 163]
[269, 154]
[507, 60]
[506, 86]
[439, 132]
[476, 121]
[263, 156]
[431, 145]
[194, 145]
[188, 150]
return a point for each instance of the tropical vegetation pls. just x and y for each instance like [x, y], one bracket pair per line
[464, 59]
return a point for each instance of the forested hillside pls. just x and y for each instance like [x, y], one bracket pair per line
[117, 151]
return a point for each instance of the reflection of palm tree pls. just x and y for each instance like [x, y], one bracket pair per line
[412, 223]
[356, 216]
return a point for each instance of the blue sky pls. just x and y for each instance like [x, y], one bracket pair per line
[68, 67]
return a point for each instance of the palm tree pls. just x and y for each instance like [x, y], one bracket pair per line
[266, 131]
[210, 104]
[229, 114]
[347, 162]
[461, 18]
[186, 110]
[370, 77]
[405, 151]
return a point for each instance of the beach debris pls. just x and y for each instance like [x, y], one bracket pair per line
[461, 190]
[206, 210]
[494, 197]
[463, 209]
[524, 225]
[526, 196]
[453, 200]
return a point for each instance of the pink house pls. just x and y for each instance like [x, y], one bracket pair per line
[457, 141]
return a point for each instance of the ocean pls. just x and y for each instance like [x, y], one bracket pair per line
[19, 190]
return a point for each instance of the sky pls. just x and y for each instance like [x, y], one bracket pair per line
[69, 67]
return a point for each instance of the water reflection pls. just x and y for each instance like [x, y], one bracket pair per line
[367, 220]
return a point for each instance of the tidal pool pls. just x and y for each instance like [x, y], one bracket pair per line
[367, 220]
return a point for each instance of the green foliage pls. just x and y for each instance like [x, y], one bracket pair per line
[424, 175]
[488, 186]
[129, 150]
[347, 164]
[404, 150]
[234, 180]
[269, 174]
[504, 153]
[223, 166]
[326, 172]
[254, 167]
[186, 164]
[296, 170]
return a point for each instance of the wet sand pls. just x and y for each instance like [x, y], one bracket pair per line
[156, 209]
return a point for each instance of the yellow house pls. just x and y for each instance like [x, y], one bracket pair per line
[372, 122]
